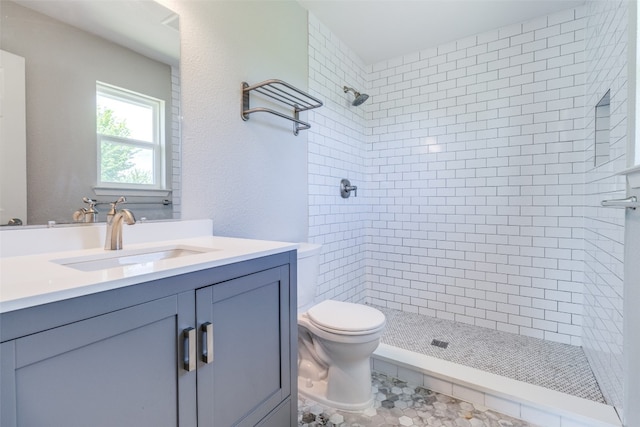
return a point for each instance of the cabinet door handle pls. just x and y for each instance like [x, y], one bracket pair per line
[207, 350]
[189, 336]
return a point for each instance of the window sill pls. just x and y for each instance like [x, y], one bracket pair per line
[132, 192]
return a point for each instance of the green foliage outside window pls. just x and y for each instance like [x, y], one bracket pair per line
[109, 124]
[117, 163]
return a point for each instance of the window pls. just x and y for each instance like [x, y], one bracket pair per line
[130, 134]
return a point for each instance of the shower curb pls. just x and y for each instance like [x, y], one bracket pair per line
[532, 403]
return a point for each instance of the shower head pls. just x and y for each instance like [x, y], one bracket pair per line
[360, 97]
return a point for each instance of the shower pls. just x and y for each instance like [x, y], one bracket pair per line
[360, 97]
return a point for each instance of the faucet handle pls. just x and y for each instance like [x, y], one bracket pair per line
[91, 203]
[115, 204]
[112, 209]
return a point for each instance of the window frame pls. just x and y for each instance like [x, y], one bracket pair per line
[157, 145]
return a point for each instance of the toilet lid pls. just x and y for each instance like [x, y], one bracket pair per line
[345, 316]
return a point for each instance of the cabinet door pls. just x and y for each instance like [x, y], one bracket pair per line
[117, 369]
[248, 373]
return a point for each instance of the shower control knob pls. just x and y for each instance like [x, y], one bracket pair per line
[346, 188]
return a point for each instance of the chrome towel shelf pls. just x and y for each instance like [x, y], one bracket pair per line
[282, 93]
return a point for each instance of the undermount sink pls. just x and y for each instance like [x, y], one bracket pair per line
[130, 257]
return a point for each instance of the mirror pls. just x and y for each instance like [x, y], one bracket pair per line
[68, 46]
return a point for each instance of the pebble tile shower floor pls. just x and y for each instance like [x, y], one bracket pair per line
[399, 404]
[548, 364]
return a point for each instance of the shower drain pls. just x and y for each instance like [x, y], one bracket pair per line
[438, 343]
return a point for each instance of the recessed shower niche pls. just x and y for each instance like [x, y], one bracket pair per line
[602, 131]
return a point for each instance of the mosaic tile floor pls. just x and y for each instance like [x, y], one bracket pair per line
[552, 365]
[398, 404]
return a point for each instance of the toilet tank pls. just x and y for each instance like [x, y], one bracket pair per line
[308, 263]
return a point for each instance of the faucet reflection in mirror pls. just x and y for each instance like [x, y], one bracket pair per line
[86, 215]
[115, 219]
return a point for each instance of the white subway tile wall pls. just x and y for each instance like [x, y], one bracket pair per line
[477, 194]
[606, 60]
[476, 167]
[176, 147]
[337, 149]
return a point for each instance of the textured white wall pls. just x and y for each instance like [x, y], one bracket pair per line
[606, 65]
[249, 177]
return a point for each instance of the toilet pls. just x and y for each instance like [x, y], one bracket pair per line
[335, 342]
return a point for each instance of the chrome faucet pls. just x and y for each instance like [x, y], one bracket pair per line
[114, 224]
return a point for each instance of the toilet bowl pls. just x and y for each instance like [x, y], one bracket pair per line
[335, 342]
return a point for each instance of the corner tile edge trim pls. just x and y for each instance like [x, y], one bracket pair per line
[568, 409]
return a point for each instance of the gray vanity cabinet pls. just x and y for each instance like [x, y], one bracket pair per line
[211, 348]
[247, 372]
[117, 369]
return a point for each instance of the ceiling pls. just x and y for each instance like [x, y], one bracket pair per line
[383, 29]
[374, 29]
[144, 26]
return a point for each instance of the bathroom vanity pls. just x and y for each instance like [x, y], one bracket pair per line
[207, 339]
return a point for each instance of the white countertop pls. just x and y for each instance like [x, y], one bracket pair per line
[32, 280]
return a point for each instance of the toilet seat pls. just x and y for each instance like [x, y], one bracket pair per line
[345, 318]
